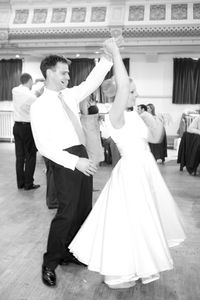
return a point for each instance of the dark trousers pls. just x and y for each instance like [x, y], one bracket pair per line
[25, 151]
[51, 196]
[159, 151]
[74, 195]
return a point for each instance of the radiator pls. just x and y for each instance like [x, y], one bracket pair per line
[6, 125]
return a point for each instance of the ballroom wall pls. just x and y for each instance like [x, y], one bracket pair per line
[154, 32]
[154, 80]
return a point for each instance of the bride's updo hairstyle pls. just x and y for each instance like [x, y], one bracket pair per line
[109, 87]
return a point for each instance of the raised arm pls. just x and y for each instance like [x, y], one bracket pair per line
[122, 85]
[93, 81]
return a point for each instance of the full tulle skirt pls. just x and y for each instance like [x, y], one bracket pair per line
[133, 223]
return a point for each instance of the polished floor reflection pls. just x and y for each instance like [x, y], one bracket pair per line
[24, 224]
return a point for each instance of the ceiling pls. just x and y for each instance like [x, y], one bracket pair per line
[78, 27]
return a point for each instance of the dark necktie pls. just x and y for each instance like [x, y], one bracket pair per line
[73, 119]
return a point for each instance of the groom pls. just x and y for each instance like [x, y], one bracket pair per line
[57, 132]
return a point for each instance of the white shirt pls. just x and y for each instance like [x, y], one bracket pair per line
[155, 126]
[52, 129]
[23, 98]
[194, 127]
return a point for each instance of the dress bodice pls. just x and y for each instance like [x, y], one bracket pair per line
[132, 137]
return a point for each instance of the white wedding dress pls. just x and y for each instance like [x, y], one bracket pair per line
[135, 220]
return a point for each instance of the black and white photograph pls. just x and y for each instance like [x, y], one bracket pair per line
[100, 150]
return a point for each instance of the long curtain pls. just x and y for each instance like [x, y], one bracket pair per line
[10, 71]
[197, 81]
[186, 81]
[126, 63]
[79, 70]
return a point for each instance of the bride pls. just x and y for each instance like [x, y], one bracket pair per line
[135, 220]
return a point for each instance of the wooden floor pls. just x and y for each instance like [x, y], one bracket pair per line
[24, 224]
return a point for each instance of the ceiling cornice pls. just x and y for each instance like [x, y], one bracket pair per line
[82, 26]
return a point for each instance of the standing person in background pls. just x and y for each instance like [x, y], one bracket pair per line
[25, 148]
[141, 108]
[154, 124]
[105, 140]
[159, 150]
[91, 127]
[194, 127]
[151, 109]
[59, 137]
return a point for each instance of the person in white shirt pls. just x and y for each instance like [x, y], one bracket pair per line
[57, 139]
[155, 126]
[194, 127]
[25, 148]
[141, 108]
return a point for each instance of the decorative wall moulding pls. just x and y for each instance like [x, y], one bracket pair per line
[4, 17]
[3, 36]
[39, 16]
[89, 15]
[196, 11]
[126, 31]
[21, 16]
[98, 14]
[59, 33]
[157, 12]
[136, 13]
[116, 15]
[179, 11]
[162, 31]
[116, 32]
[59, 15]
[78, 14]
[143, 19]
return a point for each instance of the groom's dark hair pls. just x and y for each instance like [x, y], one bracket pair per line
[49, 62]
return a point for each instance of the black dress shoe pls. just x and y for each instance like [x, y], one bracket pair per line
[73, 260]
[48, 276]
[31, 187]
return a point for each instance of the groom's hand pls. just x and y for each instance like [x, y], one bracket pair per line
[86, 166]
[110, 47]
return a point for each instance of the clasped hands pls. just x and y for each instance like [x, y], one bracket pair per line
[86, 166]
[111, 46]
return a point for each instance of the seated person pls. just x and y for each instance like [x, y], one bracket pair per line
[194, 126]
